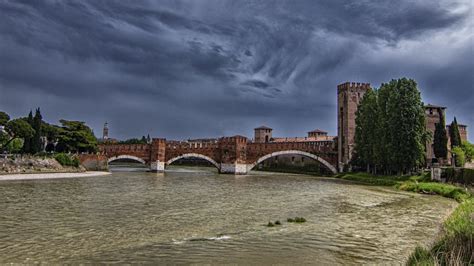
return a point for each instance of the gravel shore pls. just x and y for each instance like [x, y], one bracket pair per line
[50, 175]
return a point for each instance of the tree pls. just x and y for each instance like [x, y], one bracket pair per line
[454, 134]
[390, 128]
[468, 149]
[459, 156]
[365, 133]
[27, 140]
[440, 142]
[36, 140]
[75, 136]
[4, 118]
[17, 128]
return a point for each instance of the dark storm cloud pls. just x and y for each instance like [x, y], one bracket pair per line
[182, 69]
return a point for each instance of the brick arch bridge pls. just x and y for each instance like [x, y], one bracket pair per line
[233, 155]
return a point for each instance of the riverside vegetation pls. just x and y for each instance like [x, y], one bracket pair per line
[455, 245]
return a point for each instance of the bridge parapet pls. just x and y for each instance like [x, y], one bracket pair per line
[235, 155]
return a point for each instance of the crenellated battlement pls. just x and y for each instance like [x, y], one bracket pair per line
[353, 85]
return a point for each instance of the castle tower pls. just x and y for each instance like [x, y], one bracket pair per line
[105, 132]
[349, 96]
[263, 134]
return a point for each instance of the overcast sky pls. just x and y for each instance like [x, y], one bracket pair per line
[199, 68]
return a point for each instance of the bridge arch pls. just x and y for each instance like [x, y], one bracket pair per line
[129, 157]
[295, 152]
[194, 155]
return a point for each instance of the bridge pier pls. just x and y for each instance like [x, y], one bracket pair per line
[157, 166]
[234, 168]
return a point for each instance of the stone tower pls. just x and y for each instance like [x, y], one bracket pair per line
[348, 97]
[105, 132]
[263, 134]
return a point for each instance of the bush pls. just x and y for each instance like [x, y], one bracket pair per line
[67, 160]
[461, 176]
[420, 256]
[460, 157]
[277, 222]
[445, 190]
[296, 220]
[270, 224]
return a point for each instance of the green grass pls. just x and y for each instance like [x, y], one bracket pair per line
[456, 245]
[414, 183]
[445, 190]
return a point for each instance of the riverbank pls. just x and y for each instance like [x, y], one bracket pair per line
[455, 245]
[37, 164]
[35, 176]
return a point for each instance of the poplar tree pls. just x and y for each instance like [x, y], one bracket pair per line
[454, 134]
[440, 141]
[28, 139]
[36, 140]
[406, 126]
[366, 130]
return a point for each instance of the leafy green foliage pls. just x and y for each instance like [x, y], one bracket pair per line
[459, 156]
[36, 139]
[366, 130]
[28, 140]
[390, 128]
[421, 257]
[456, 246]
[66, 159]
[468, 149]
[454, 134]
[17, 128]
[76, 136]
[4, 118]
[296, 220]
[440, 142]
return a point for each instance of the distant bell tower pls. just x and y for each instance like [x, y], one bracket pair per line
[105, 132]
[263, 134]
[349, 95]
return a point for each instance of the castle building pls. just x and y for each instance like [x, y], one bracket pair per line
[349, 96]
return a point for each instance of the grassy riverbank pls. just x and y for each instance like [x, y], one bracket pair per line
[455, 245]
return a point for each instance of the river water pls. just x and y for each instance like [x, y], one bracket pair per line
[195, 215]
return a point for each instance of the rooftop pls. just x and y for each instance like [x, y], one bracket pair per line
[263, 127]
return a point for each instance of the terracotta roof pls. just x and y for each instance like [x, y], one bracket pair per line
[434, 106]
[263, 127]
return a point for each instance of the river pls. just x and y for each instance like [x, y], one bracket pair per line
[194, 215]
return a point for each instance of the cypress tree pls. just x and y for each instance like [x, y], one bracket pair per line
[27, 141]
[36, 140]
[440, 141]
[454, 134]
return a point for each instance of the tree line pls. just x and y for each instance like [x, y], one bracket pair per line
[391, 136]
[31, 135]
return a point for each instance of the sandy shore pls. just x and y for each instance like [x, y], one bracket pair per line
[50, 175]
